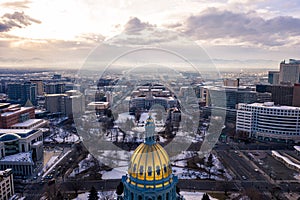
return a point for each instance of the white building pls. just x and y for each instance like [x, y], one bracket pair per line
[267, 122]
[6, 184]
[20, 149]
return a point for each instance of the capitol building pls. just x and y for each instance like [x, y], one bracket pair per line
[149, 173]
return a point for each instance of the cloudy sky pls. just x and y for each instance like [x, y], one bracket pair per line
[62, 33]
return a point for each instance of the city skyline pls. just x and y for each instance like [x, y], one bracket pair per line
[238, 34]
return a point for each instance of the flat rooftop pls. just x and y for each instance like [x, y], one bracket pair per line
[16, 111]
[21, 132]
[19, 157]
[28, 123]
[263, 105]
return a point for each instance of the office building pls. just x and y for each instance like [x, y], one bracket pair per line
[55, 88]
[65, 104]
[231, 82]
[229, 97]
[55, 103]
[273, 77]
[296, 95]
[6, 184]
[281, 94]
[265, 121]
[12, 114]
[289, 72]
[39, 85]
[22, 92]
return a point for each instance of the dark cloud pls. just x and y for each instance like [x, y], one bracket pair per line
[139, 33]
[15, 20]
[244, 27]
[16, 4]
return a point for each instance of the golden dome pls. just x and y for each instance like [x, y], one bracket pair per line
[150, 163]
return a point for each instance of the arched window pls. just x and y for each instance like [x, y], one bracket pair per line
[167, 197]
[165, 168]
[141, 170]
[131, 196]
[157, 170]
[149, 171]
[159, 198]
[140, 197]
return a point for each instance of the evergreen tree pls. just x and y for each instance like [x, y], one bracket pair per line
[120, 189]
[205, 197]
[93, 194]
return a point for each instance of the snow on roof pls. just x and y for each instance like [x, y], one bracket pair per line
[16, 111]
[297, 148]
[285, 159]
[19, 157]
[17, 131]
[263, 105]
[38, 143]
[29, 122]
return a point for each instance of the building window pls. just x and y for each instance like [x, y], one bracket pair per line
[149, 171]
[157, 170]
[141, 170]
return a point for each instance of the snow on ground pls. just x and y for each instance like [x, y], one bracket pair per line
[114, 157]
[83, 165]
[60, 135]
[194, 195]
[108, 195]
[116, 173]
[122, 117]
[180, 161]
[111, 195]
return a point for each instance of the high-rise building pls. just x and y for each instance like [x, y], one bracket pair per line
[229, 97]
[55, 88]
[231, 82]
[265, 121]
[39, 85]
[273, 77]
[21, 92]
[289, 72]
[14, 91]
[296, 95]
[65, 104]
[55, 103]
[29, 92]
[6, 184]
[281, 94]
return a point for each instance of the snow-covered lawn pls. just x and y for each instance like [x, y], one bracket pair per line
[83, 165]
[116, 173]
[60, 135]
[111, 195]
